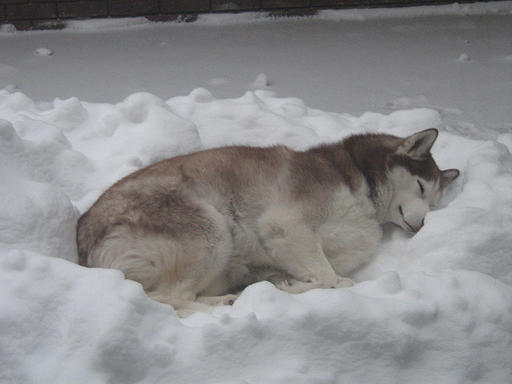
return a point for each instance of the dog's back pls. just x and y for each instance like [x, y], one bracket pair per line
[155, 196]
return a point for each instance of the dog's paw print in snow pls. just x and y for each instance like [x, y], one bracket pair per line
[43, 52]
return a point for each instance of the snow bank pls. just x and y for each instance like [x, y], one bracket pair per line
[455, 9]
[244, 18]
[436, 307]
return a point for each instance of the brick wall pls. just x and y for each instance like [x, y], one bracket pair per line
[41, 14]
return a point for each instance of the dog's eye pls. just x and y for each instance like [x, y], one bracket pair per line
[422, 189]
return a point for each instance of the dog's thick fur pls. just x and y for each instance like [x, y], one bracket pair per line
[201, 226]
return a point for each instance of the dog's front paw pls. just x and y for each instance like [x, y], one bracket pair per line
[342, 282]
[295, 286]
[283, 285]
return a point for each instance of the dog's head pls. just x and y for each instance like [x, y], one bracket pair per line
[416, 181]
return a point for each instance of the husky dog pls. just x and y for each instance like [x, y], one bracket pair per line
[201, 226]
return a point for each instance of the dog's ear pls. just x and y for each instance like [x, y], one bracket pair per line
[448, 175]
[418, 145]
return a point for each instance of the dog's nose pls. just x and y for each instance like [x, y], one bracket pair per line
[419, 226]
[416, 229]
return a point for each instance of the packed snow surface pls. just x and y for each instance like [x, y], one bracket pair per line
[432, 308]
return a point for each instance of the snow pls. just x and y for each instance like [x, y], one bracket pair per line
[432, 308]
[43, 52]
[464, 58]
[261, 81]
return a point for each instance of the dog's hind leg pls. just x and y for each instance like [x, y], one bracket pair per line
[172, 266]
[217, 300]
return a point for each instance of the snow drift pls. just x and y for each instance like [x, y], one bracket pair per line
[436, 307]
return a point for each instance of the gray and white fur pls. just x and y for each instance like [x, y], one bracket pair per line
[202, 226]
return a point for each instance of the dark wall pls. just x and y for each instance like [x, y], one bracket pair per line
[41, 14]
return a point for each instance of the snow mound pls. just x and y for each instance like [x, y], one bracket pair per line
[436, 307]
[464, 58]
[261, 81]
[7, 28]
[43, 52]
